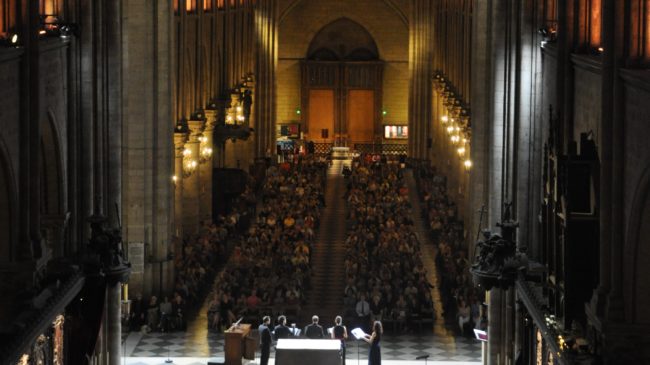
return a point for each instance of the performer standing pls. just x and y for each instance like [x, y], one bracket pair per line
[281, 330]
[265, 340]
[314, 330]
[341, 333]
[374, 355]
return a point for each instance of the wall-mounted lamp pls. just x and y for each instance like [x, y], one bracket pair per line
[189, 167]
[11, 40]
[468, 164]
[444, 119]
[461, 151]
[206, 154]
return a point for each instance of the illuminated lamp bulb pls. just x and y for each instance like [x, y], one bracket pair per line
[450, 129]
[444, 119]
[187, 152]
[468, 164]
[461, 151]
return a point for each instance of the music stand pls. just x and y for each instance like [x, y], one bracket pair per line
[358, 334]
[425, 357]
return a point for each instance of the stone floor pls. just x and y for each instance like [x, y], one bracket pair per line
[393, 347]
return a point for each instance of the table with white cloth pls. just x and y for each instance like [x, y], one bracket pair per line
[303, 351]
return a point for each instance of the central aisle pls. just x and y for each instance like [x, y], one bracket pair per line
[327, 256]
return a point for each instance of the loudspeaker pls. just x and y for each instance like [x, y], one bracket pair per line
[324, 133]
[429, 142]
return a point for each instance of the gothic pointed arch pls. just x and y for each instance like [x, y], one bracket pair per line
[8, 212]
[53, 216]
[345, 40]
[637, 252]
[51, 168]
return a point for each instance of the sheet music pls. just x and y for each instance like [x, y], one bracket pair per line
[295, 331]
[358, 333]
[330, 330]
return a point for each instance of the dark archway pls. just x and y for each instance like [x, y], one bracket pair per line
[343, 40]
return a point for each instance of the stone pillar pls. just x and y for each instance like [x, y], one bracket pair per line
[612, 35]
[113, 160]
[599, 299]
[206, 165]
[114, 322]
[481, 66]
[266, 44]
[192, 183]
[495, 355]
[179, 146]
[420, 78]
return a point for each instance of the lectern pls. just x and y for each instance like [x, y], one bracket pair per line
[235, 344]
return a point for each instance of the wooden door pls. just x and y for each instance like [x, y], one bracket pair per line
[321, 114]
[361, 116]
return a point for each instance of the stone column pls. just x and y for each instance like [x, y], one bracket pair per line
[495, 355]
[266, 44]
[420, 78]
[481, 66]
[113, 160]
[192, 183]
[179, 146]
[599, 299]
[114, 322]
[206, 165]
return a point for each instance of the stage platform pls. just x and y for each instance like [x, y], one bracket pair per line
[205, 360]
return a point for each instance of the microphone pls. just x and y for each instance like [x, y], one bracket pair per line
[422, 357]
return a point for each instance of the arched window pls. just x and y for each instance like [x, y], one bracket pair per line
[207, 5]
[190, 6]
[589, 24]
[50, 10]
[7, 17]
[640, 32]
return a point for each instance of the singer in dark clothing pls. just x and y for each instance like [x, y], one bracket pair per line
[341, 333]
[374, 354]
[314, 330]
[281, 330]
[265, 340]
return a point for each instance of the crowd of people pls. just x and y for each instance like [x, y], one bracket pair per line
[270, 266]
[462, 302]
[386, 279]
[195, 261]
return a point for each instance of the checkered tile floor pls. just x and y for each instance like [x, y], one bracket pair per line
[402, 347]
